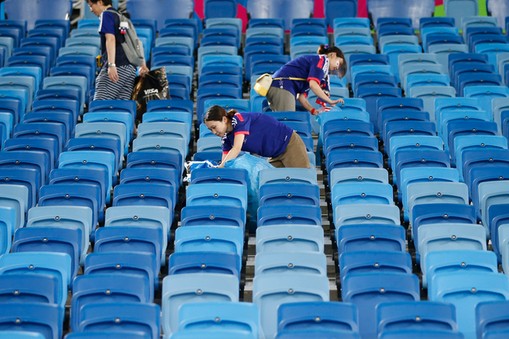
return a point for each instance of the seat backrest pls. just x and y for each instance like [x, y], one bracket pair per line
[367, 290]
[193, 288]
[31, 11]
[272, 290]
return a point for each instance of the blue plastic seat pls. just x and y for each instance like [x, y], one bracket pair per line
[204, 262]
[458, 261]
[270, 291]
[51, 239]
[354, 262]
[415, 315]
[457, 288]
[119, 263]
[366, 237]
[333, 316]
[145, 194]
[86, 195]
[44, 319]
[237, 318]
[179, 289]
[366, 214]
[449, 236]
[90, 288]
[142, 317]
[289, 193]
[280, 263]
[55, 264]
[109, 144]
[491, 318]
[368, 290]
[289, 238]
[79, 217]
[284, 214]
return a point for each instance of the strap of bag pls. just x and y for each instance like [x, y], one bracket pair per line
[291, 78]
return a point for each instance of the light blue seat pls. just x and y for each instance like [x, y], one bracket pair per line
[490, 193]
[201, 238]
[465, 261]
[289, 238]
[361, 192]
[80, 217]
[274, 175]
[467, 142]
[179, 289]
[171, 129]
[450, 236]
[143, 144]
[237, 318]
[281, 263]
[465, 291]
[15, 196]
[345, 174]
[433, 192]
[272, 290]
[366, 214]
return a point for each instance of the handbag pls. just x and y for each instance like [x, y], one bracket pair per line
[262, 84]
[152, 86]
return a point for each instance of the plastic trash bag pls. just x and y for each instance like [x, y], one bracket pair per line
[253, 165]
[192, 165]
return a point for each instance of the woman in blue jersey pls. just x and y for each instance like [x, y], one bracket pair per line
[307, 72]
[256, 133]
[116, 78]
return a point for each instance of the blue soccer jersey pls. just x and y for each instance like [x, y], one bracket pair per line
[264, 135]
[109, 24]
[309, 67]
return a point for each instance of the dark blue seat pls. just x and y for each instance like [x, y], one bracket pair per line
[133, 239]
[91, 288]
[32, 317]
[416, 315]
[368, 290]
[135, 316]
[209, 215]
[323, 315]
[44, 129]
[205, 262]
[88, 176]
[51, 239]
[150, 194]
[366, 237]
[121, 263]
[38, 160]
[41, 144]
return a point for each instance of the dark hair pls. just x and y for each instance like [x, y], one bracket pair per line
[326, 49]
[105, 2]
[216, 113]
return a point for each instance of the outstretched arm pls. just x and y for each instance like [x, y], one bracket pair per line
[315, 87]
[238, 141]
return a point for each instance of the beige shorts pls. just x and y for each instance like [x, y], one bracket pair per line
[295, 155]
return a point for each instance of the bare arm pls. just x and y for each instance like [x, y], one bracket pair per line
[238, 141]
[111, 52]
[305, 103]
[315, 87]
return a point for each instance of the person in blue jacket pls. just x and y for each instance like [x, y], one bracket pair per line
[256, 133]
[117, 75]
[306, 72]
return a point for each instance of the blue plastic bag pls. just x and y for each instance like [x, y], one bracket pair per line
[253, 165]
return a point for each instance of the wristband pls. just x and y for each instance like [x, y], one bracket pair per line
[111, 64]
[313, 111]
